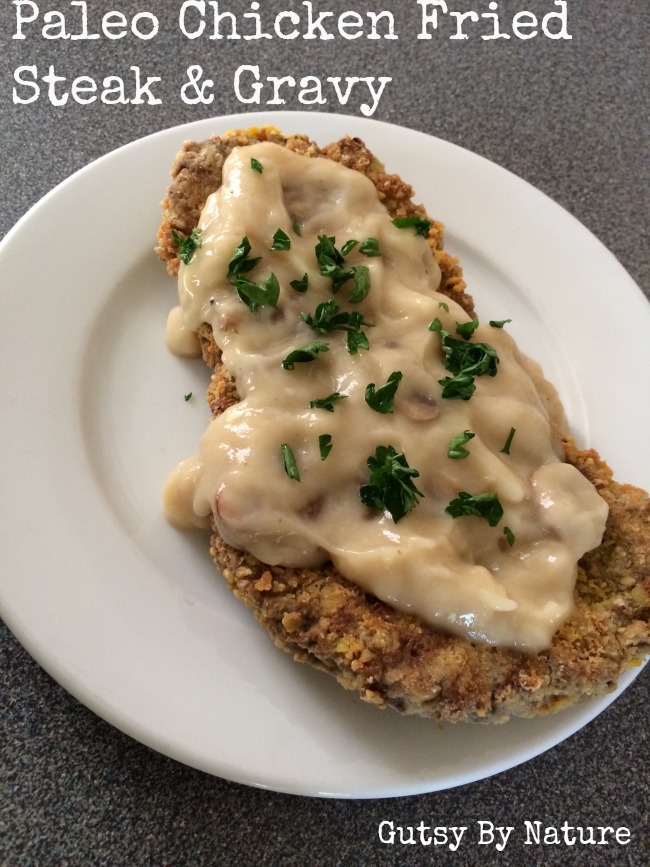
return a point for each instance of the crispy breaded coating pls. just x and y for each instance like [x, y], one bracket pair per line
[391, 658]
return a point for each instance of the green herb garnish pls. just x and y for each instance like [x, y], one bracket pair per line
[325, 445]
[456, 449]
[329, 317]
[391, 487]
[510, 536]
[466, 329]
[296, 228]
[281, 241]
[257, 295]
[465, 360]
[370, 248]
[381, 399]
[508, 442]
[328, 402]
[303, 354]
[357, 339]
[331, 262]
[289, 460]
[421, 226]
[239, 261]
[188, 396]
[256, 165]
[361, 277]
[300, 285]
[444, 306]
[348, 246]
[187, 246]
[499, 323]
[482, 505]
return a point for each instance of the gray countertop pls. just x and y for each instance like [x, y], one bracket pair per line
[569, 116]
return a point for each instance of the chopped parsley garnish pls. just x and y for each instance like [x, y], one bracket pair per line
[482, 506]
[304, 353]
[361, 277]
[281, 241]
[327, 253]
[239, 261]
[510, 536]
[257, 295]
[466, 329]
[465, 360]
[370, 248]
[391, 484]
[421, 226]
[256, 165]
[327, 402]
[444, 306]
[300, 285]
[187, 246]
[289, 460]
[357, 339]
[331, 262]
[499, 323]
[296, 228]
[381, 399]
[456, 449]
[348, 246]
[508, 442]
[188, 396]
[329, 317]
[324, 445]
[254, 295]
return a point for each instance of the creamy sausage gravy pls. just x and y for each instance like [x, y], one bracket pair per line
[509, 587]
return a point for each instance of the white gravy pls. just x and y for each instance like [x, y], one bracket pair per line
[457, 573]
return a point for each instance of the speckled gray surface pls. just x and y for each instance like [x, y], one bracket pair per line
[568, 116]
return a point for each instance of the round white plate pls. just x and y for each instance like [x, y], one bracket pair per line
[129, 615]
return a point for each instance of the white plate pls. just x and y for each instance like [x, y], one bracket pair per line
[127, 614]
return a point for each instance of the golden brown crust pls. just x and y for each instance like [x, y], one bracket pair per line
[391, 658]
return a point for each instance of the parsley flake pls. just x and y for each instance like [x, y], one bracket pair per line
[421, 226]
[289, 461]
[444, 306]
[296, 228]
[257, 295]
[456, 450]
[481, 505]
[391, 486]
[303, 354]
[508, 442]
[499, 323]
[239, 261]
[465, 360]
[300, 285]
[510, 536]
[256, 165]
[348, 246]
[370, 248]
[188, 396]
[324, 445]
[331, 262]
[361, 277]
[329, 317]
[187, 246]
[328, 402]
[281, 241]
[466, 329]
[381, 399]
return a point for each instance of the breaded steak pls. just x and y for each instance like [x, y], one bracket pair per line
[389, 657]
